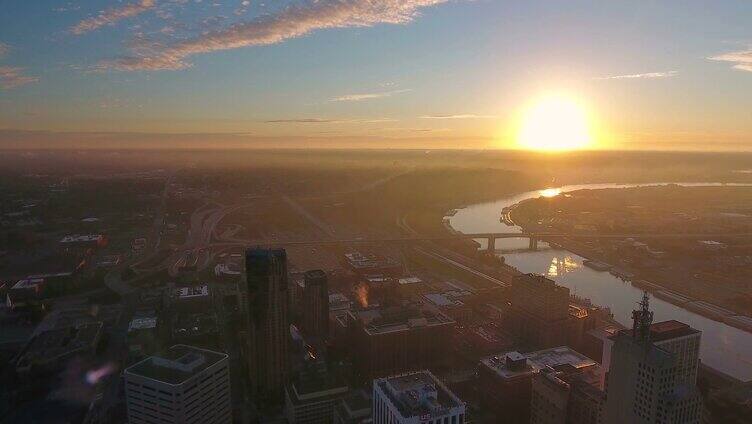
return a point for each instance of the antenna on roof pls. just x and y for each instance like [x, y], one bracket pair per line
[642, 319]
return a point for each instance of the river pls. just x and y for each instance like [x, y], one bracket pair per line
[723, 347]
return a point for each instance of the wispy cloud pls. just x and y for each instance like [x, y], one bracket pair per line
[416, 130]
[742, 59]
[293, 21]
[111, 16]
[646, 75]
[4, 49]
[367, 96]
[459, 116]
[67, 8]
[13, 77]
[303, 121]
[328, 121]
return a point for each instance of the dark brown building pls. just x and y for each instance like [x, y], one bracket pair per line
[265, 305]
[539, 311]
[315, 305]
[387, 341]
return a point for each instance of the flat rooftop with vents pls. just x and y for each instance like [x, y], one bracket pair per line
[419, 394]
[514, 364]
[177, 365]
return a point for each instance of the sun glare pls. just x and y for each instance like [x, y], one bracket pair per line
[550, 192]
[554, 124]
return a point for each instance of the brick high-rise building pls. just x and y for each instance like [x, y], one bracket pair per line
[386, 341]
[505, 383]
[539, 313]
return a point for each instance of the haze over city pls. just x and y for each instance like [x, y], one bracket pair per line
[375, 212]
[383, 74]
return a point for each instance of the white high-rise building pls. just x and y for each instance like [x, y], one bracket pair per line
[415, 398]
[653, 373]
[184, 385]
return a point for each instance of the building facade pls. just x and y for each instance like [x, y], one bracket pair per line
[537, 385]
[315, 305]
[539, 313]
[184, 385]
[415, 398]
[312, 397]
[386, 341]
[566, 395]
[653, 372]
[268, 325]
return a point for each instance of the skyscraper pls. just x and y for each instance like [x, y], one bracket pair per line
[315, 305]
[653, 372]
[268, 322]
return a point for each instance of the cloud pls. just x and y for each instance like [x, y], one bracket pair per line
[367, 96]
[4, 49]
[742, 59]
[302, 121]
[294, 21]
[328, 121]
[13, 77]
[416, 130]
[111, 16]
[647, 75]
[459, 116]
[67, 8]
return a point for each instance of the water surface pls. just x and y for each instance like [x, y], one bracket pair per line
[723, 347]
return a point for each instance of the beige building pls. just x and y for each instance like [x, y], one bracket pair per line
[653, 373]
[183, 385]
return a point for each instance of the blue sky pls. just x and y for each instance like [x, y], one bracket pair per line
[651, 74]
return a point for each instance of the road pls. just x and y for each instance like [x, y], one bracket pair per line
[462, 267]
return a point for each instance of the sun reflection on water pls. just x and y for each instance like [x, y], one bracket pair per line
[561, 266]
[550, 192]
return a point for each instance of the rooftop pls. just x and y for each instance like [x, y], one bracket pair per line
[177, 365]
[403, 318]
[79, 238]
[194, 291]
[315, 275]
[535, 361]
[50, 345]
[28, 283]
[439, 299]
[142, 323]
[539, 281]
[410, 280]
[418, 394]
[669, 330]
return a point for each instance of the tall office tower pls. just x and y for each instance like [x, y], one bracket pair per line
[268, 324]
[540, 311]
[184, 385]
[653, 372]
[417, 397]
[315, 305]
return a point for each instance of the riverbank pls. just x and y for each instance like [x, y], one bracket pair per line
[724, 347]
[645, 282]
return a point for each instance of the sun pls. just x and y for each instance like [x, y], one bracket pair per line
[554, 124]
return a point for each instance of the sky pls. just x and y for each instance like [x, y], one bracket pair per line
[663, 75]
